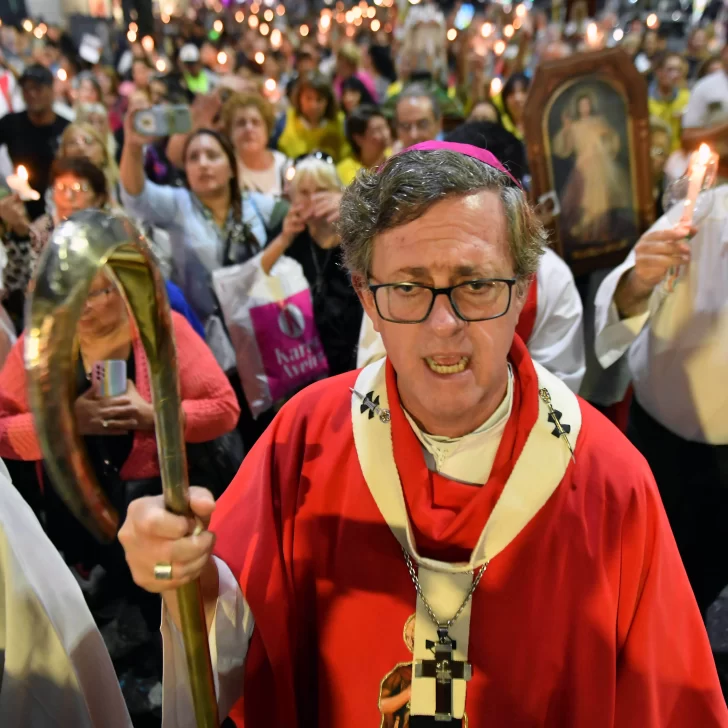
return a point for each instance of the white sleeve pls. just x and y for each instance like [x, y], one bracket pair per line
[613, 335]
[230, 634]
[557, 339]
[371, 346]
[695, 113]
[156, 204]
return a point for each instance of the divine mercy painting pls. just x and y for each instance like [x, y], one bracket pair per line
[591, 163]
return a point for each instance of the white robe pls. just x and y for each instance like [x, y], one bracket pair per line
[54, 667]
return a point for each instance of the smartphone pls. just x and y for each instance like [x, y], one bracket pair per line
[163, 121]
[111, 376]
[464, 16]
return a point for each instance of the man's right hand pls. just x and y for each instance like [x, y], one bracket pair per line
[152, 535]
[655, 253]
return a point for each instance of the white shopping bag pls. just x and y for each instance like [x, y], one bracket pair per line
[271, 325]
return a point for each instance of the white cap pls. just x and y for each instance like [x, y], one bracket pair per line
[189, 53]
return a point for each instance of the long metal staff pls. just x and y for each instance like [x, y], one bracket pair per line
[78, 250]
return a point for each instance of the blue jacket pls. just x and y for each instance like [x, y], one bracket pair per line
[178, 303]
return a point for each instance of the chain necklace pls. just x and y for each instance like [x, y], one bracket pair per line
[443, 625]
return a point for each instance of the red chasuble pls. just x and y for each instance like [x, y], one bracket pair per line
[584, 616]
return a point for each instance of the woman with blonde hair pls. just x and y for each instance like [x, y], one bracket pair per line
[81, 139]
[97, 116]
[309, 236]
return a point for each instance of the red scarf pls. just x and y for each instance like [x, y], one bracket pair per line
[448, 517]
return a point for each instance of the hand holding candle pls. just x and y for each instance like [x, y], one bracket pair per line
[701, 175]
[18, 183]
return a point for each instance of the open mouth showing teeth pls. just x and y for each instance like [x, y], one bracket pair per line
[455, 368]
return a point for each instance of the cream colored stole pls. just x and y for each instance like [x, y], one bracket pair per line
[535, 476]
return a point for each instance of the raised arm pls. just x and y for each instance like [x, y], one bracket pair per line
[131, 167]
[150, 203]
[294, 224]
[622, 303]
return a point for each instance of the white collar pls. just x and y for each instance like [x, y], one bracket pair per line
[470, 457]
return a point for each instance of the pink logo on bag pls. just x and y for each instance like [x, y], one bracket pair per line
[289, 344]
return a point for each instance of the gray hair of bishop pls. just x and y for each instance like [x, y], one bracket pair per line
[409, 184]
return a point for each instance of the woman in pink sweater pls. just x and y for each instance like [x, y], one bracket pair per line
[105, 331]
[118, 432]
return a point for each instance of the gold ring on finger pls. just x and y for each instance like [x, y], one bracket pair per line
[163, 571]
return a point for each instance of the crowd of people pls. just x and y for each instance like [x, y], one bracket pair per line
[261, 124]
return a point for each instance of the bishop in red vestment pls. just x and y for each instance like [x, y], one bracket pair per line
[448, 536]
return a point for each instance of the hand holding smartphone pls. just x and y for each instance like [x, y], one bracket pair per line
[163, 121]
[111, 377]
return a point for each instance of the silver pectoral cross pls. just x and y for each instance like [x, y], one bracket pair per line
[444, 669]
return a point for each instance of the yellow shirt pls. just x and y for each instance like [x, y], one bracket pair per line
[671, 112]
[348, 168]
[506, 121]
[299, 137]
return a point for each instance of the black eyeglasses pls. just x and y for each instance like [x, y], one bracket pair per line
[411, 303]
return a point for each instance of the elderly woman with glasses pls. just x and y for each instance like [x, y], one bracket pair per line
[309, 236]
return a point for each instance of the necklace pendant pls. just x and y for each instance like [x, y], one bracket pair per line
[444, 669]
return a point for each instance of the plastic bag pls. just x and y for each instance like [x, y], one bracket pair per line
[271, 325]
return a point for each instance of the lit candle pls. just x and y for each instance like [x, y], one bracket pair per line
[18, 183]
[699, 162]
[592, 34]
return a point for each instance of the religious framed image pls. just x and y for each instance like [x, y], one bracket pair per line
[587, 139]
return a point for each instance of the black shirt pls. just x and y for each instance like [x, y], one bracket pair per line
[336, 307]
[35, 148]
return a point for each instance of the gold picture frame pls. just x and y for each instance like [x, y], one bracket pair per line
[588, 146]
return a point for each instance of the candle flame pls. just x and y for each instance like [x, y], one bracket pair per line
[704, 154]
[22, 172]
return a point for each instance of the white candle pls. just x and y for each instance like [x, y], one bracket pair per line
[698, 167]
[18, 183]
